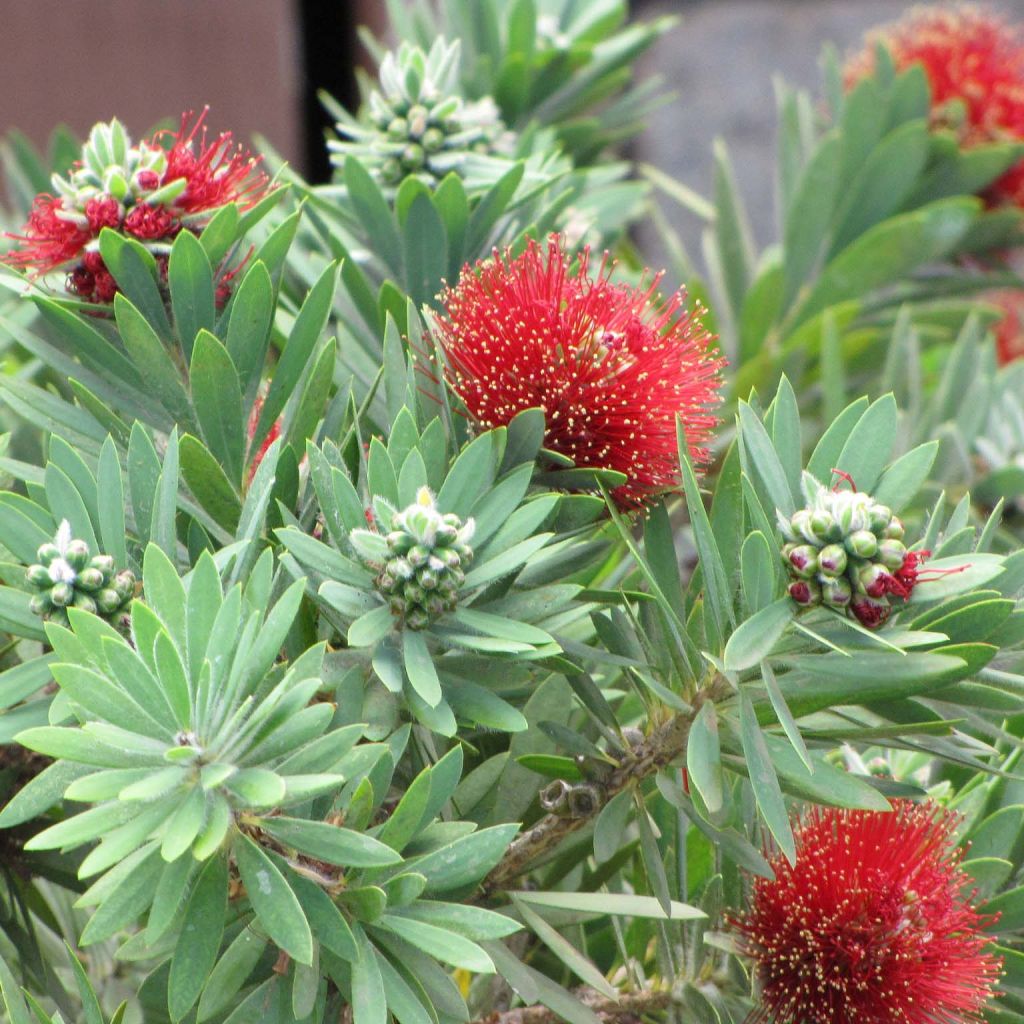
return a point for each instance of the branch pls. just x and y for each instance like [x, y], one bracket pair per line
[657, 751]
[628, 1006]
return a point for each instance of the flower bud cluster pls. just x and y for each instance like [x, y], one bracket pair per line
[112, 177]
[416, 123]
[427, 555]
[845, 551]
[68, 575]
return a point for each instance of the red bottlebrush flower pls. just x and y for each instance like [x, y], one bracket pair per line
[872, 924]
[61, 232]
[1009, 331]
[48, 240]
[151, 222]
[272, 435]
[103, 213]
[218, 174]
[971, 56]
[610, 367]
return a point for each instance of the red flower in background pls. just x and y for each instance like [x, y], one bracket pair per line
[971, 56]
[62, 231]
[871, 925]
[608, 364]
[1009, 331]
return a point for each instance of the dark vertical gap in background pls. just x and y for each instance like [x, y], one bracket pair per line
[329, 48]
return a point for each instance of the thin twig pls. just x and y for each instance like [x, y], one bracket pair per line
[661, 748]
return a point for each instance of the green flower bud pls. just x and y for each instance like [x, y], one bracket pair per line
[84, 602]
[836, 593]
[413, 157]
[879, 517]
[108, 601]
[891, 553]
[391, 171]
[40, 604]
[872, 580]
[62, 594]
[805, 592]
[124, 584]
[895, 529]
[803, 560]
[447, 534]
[419, 120]
[90, 579]
[399, 542]
[398, 128]
[832, 560]
[418, 555]
[821, 524]
[38, 575]
[77, 555]
[47, 553]
[862, 543]
[417, 619]
[427, 579]
[104, 563]
[433, 140]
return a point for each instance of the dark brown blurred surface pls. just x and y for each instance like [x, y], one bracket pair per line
[82, 61]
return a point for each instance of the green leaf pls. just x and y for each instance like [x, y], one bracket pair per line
[425, 247]
[369, 1003]
[884, 182]
[761, 461]
[373, 212]
[960, 573]
[111, 504]
[532, 987]
[249, 323]
[446, 946]
[582, 967]
[755, 638]
[466, 860]
[809, 216]
[199, 941]
[190, 278]
[230, 974]
[272, 899]
[298, 351]
[209, 484]
[217, 398]
[156, 368]
[870, 443]
[732, 233]
[618, 904]
[703, 758]
[471, 474]
[889, 251]
[419, 667]
[763, 780]
[757, 571]
[331, 843]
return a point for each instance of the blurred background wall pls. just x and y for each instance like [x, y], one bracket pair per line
[258, 64]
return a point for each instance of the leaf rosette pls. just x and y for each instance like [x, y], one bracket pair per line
[446, 637]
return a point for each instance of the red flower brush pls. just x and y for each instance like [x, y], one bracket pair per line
[974, 61]
[150, 192]
[870, 925]
[610, 366]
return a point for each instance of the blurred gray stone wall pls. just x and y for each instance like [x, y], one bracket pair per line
[720, 62]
